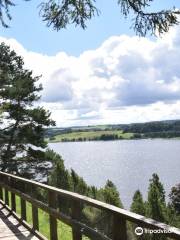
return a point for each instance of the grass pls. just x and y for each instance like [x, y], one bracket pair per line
[89, 135]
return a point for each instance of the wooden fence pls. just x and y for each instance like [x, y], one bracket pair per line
[11, 185]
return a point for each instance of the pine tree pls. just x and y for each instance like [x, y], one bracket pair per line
[59, 175]
[60, 178]
[22, 124]
[175, 198]
[156, 199]
[138, 205]
[111, 194]
[78, 184]
[156, 205]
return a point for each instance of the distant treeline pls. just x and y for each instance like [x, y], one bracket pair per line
[103, 137]
[168, 134]
[162, 129]
[158, 129]
[152, 127]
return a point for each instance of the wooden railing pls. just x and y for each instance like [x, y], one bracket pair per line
[11, 185]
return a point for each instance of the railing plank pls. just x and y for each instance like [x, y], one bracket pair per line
[2, 189]
[119, 228]
[1, 193]
[6, 193]
[6, 197]
[76, 214]
[52, 219]
[23, 204]
[13, 202]
[13, 196]
[35, 217]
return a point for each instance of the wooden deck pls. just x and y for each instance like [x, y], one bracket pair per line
[11, 228]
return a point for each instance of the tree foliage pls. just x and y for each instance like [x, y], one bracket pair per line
[156, 199]
[138, 205]
[175, 198]
[4, 10]
[111, 194]
[59, 14]
[69, 180]
[22, 124]
[156, 207]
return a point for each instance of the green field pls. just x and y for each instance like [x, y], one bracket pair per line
[89, 135]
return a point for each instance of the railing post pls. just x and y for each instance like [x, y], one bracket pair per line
[23, 204]
[1, 193]
[35, 218]
[76, 214]
[53, 220]
[13, 197]
[6, 191]
[119, 228]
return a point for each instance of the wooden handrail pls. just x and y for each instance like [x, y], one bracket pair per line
[120, 216]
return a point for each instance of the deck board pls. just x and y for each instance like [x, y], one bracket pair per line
[11, 229]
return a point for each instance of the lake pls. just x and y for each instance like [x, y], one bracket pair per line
[128, 163]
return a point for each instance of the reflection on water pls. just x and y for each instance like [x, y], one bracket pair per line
[128, 163]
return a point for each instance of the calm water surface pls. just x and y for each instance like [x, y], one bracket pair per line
[128, 163]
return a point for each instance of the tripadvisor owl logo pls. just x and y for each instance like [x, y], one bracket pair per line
[138, 231]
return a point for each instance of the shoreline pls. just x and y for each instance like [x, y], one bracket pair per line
[128, 139]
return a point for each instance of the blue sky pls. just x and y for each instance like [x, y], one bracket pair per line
[28, 29]
[104, 74]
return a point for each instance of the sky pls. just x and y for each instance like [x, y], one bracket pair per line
[104, 74]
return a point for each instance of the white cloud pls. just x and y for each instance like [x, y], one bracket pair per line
[127, 79]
